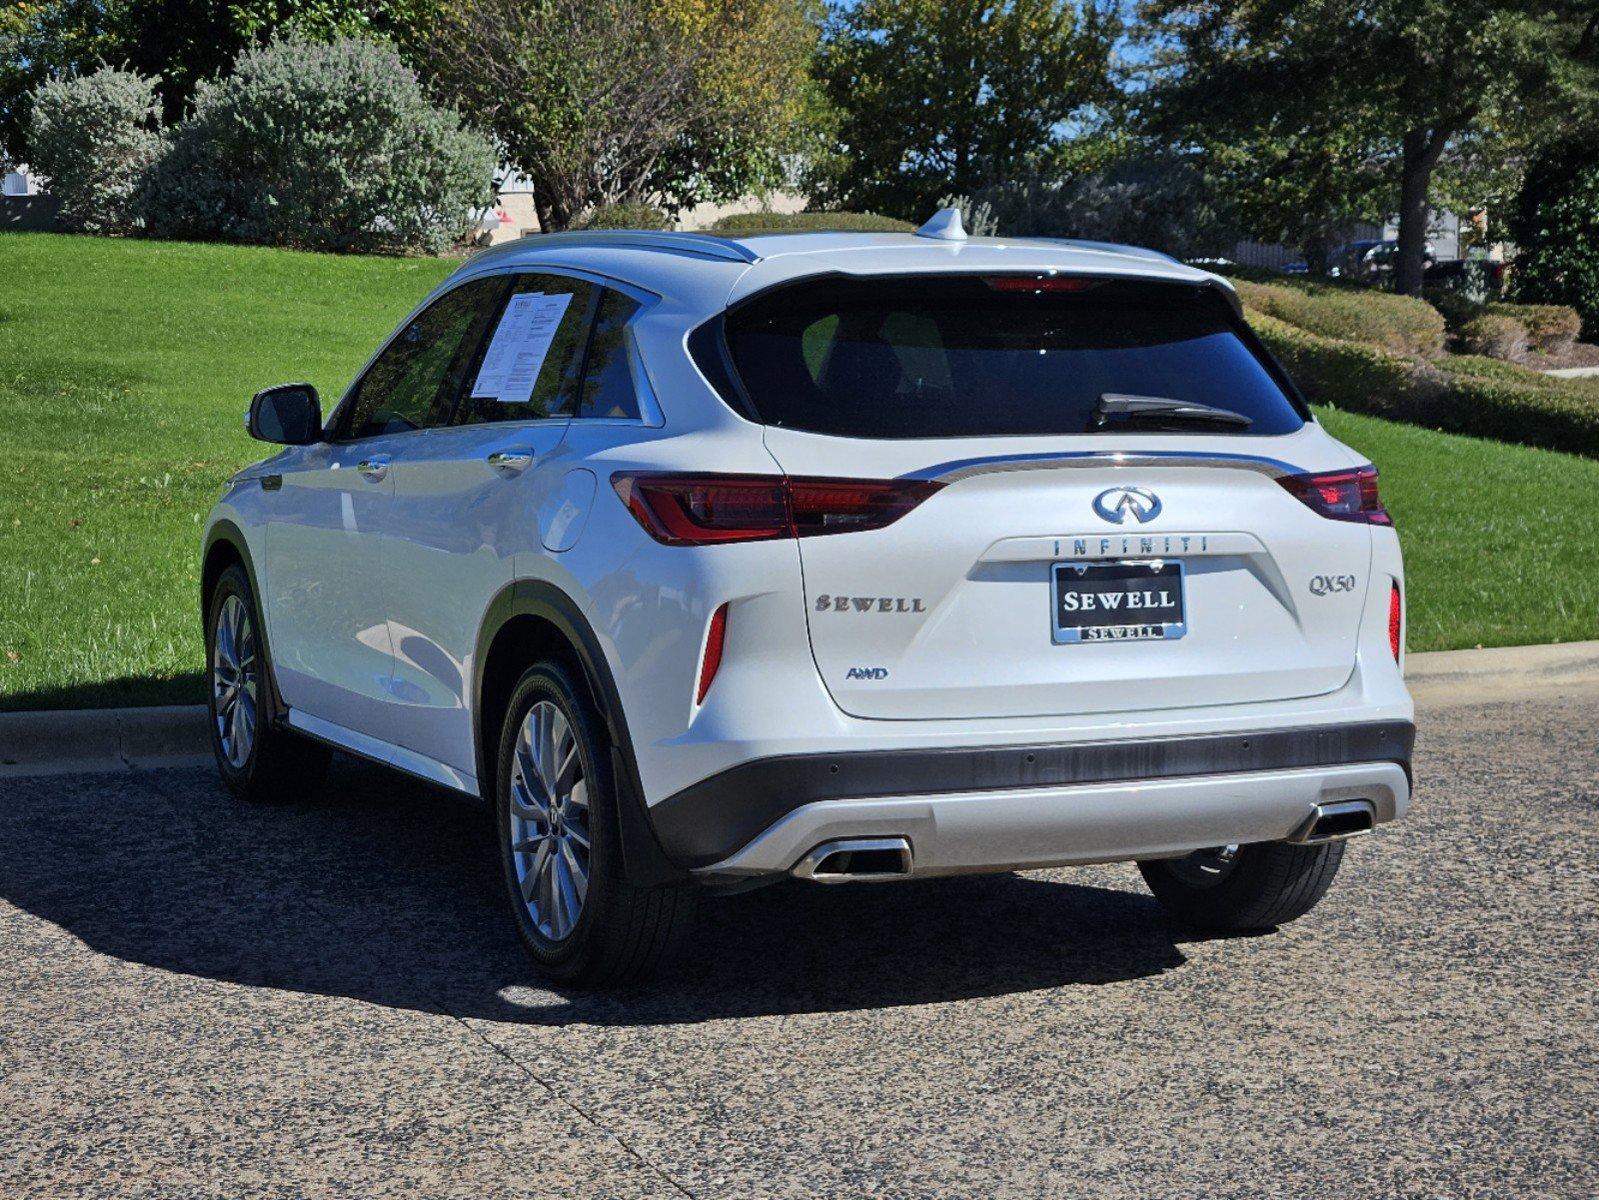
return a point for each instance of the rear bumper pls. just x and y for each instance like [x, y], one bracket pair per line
[1069, 798]
[956, 833]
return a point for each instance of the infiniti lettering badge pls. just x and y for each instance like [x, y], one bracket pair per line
[1115, 503]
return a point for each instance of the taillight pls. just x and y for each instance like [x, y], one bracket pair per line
[1396, 621]
[714, 637]
[1341, 495]
[696, 509]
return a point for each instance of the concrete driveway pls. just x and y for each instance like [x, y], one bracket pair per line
[199, 998]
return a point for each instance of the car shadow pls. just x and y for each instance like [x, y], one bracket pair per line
[387, 891]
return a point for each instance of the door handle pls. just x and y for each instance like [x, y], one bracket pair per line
[510, 460]
[374, 468]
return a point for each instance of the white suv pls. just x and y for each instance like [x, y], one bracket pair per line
[712, 561]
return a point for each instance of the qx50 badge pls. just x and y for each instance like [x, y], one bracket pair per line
[1115, 503]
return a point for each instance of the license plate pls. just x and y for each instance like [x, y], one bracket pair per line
[1132, 601]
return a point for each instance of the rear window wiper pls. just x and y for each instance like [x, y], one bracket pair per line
[1158, 410]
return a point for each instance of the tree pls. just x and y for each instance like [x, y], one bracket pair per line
[1556, 227]
[939, 96]
[1345, 100]
[604, 102]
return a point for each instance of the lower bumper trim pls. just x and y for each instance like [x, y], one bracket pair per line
[710, 820]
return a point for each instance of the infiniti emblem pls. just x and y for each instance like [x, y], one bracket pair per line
[1115, 503]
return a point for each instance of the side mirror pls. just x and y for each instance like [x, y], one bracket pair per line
[289, 414]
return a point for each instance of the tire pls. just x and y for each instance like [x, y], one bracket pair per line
[258, 760]
[1237, 888]
[553, 854]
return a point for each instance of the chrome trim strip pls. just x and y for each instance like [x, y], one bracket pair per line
[948, 472]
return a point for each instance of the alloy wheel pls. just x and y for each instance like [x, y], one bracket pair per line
[551, 838]
[235, 681]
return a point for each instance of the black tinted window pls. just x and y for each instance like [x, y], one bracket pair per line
[527, 368]
[608, 380]
[968, 356]
[412, 384]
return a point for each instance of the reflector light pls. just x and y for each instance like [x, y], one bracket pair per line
[714, 637]
[1341, 495]
[1396, 621]
[704, 509]
[1042, 283]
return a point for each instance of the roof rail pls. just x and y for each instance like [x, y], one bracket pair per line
[681, 241]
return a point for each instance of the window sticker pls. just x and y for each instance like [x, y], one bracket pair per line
[519, 347]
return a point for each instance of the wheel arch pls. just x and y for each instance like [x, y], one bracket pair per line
[225, 546]
[530, 620]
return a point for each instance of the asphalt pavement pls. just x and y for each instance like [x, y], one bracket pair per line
[200, 998]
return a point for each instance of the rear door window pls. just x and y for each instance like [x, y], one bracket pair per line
[971, 356]
[527, 368]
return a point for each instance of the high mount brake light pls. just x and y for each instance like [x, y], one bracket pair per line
[705, 509]
[1341, 495]
[1042, 283]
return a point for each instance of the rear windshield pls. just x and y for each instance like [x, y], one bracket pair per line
[971, 356]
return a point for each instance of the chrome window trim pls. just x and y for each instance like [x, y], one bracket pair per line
[964, 468]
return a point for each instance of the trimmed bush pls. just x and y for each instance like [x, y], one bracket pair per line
[321, 146]
[1454, 304]
[1479, 397]
[771, 222]
[94, 137]
[1552, 327]
[624, 216]
[1494, 335]
[1397, 324]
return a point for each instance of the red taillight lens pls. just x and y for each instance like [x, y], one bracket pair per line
[1396, 621]
[696, 510]
[714, 637]
[1341, 495]
[842, 505]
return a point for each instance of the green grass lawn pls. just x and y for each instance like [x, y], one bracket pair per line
[125, 368]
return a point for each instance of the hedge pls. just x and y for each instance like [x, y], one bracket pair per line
[772, 222]
[1465, 394]
[1495, 335]
[1552, 327]
[1398, 324]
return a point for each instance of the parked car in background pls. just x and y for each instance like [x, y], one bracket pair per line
[710, 562]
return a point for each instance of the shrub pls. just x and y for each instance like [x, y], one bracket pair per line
[773, 222]
[1556, 226]
[1479, 397]
[328, 146]
[1494, 335]
[626, 215]
[1396, 324]
[94, 137]
[1552, 327]
[1454, 304]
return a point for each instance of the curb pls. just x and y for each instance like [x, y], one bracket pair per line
[103, 739]
[120, 739]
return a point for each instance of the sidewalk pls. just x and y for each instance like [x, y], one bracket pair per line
[119, 739]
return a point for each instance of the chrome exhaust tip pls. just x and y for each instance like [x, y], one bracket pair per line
[856, 860]
[1335, 821]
